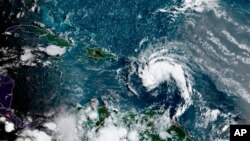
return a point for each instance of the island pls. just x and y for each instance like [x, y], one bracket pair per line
[39, 32]
[96, 54]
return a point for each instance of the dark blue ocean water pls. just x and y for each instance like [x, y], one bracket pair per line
[208, 38]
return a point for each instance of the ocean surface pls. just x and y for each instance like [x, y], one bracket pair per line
[187, 60]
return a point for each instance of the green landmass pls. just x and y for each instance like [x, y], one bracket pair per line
[147, 119]
[32, 29]
[151, 132]
[103, 113]
[39, 31]
[181, 135]
[96, 54]
[57, 40]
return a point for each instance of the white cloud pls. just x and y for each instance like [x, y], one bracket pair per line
[9, 126]
[33, 135]
[50, 125]
[53, 50]
[27, 57]
[133, 136]
[111, 133]
[66, 128]
[156, 68]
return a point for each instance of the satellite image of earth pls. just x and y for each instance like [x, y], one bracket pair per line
[123, 70]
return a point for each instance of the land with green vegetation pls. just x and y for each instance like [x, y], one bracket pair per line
[40, 32]
[181, 135]
[96, 54]
[148, 120]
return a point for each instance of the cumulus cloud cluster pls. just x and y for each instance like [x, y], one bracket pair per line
[9, 126]
[33, 135]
